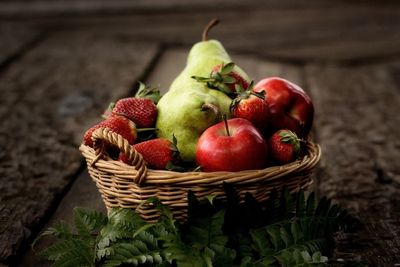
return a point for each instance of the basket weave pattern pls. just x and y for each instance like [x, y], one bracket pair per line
[128, 186]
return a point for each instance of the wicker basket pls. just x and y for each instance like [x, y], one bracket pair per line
[122, 185]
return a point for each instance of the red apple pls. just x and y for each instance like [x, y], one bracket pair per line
[289, 106]
[231, 145]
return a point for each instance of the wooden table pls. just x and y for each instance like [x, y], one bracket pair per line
[62, 62]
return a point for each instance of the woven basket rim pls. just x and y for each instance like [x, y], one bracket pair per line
[165, 177]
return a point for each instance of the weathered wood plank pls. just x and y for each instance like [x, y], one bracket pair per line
[84, 7]
[83, 193]
[15, 40]
[358, 128]
[344, 32]
[49, 99]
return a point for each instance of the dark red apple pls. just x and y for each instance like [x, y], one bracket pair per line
[289, 106]
[231, 145]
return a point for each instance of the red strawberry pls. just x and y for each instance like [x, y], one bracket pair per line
[284, 146]
[223, 78]
[142, 111]
[118, 124]
[251, 106]
[158, 153]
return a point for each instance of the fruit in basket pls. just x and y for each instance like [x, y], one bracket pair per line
[251, 106]
[186, 115]
[189, 107]
[289, 106]
[224, 78]
[118, 124]
[141, 108]
[284, 146]
[159, 153]
[231, 145]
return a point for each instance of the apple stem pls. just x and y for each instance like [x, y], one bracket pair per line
[226, 125]
[211, 24]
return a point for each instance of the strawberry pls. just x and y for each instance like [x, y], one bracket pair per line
[141, 108]
[223, 78]
[251, 106]
[118, 124]
[158, 153]
[284, 146]
[142, 111]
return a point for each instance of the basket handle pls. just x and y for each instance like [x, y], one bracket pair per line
[101, 136]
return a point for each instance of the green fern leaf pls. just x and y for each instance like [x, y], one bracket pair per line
[310, 206]
[136, 253]
[70, 253]
[87, 221]
[122, 223]
[298, 258]
[60, 230]
[300, 204]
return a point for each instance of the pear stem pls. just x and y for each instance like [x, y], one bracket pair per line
[226, 125]
[210, 25]
[213, 108]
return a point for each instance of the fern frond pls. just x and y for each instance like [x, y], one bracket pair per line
[87, 221]
[298, 258]
[122, 223]
[125, 219]
[75, 249]
[134, 253]
[310, 206]
[60, 230]
[70, 253]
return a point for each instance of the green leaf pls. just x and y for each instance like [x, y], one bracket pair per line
[122, 224]
[60, 230]
[284, 230]
[86, 221]
[69, 253]
[296, 232]
[229, 80]
[300, 204]
[286, 237]
[227, 68]
[310, 206]
[148, 92]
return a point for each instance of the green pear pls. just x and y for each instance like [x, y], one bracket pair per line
[189, 107]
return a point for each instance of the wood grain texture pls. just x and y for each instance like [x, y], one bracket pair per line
[357, 124]
[18, 8]
[296, 33]
[83, 193]
[15, 39]
[50, 98]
